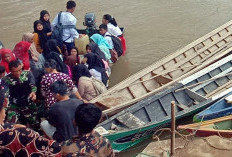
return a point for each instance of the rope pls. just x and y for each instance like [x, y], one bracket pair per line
[142, 154]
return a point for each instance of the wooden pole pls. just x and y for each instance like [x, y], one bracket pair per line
[173, 125]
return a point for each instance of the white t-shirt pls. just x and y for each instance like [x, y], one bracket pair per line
[67, 18]
[108, 39]
[116, 31]
[95, 74]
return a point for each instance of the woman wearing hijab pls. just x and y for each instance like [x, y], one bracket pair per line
[92, 47]
[50, 77]
[83, 79]
[44, 17]
[52, 52]
[7, 57]
[40, 37]
[36, 60]
[21, 51]
[96, 67]
[103, 46]
[33, 52]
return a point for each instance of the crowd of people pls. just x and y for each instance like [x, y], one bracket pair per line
[46, 89]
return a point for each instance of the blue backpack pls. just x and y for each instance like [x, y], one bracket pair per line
[57, 32]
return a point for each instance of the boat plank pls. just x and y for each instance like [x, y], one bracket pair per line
[130, 120]
[203, 51]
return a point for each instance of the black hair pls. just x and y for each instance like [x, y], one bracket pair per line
[74, 47]
[87, 117]
[51, 63]
[79, 71]
[110, 19]
[59, 87]
[2, 69]
[70, 4]
[0, 57]
[103, 26]
[42, 13]
[2, 98]
[14, 64]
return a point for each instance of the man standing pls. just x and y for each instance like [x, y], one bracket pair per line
[60, 125]
[21, 86]
[68, 22]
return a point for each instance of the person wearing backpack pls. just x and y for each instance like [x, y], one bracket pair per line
[113, 41]
[68, 22]
[114, 29]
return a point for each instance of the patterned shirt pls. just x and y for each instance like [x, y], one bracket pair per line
[50, 78]
[25, 83]
[25, 142]
[89, 145]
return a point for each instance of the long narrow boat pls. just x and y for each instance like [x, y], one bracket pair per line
[191, 95]
[166, 71]
[220, 126]
[220, 108]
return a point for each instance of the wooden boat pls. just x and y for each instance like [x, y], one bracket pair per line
[141, 120]
[220, 126]
[165, 72]
[91, 31]
[220, 108]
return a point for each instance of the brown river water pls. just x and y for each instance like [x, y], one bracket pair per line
[153, 28]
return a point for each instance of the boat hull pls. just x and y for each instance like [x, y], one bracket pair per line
[167, 71]
[216, 110]
[220, 126]
[191, 95]
[124, 140]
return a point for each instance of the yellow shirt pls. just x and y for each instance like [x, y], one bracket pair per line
[36, 41]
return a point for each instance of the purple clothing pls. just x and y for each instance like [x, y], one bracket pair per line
[50, 78]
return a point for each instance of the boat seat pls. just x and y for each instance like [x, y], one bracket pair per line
[181, 106]
[162, 79]
[229, 99]
[130, 120]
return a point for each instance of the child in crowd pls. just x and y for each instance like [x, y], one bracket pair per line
[114, 29]
[104, 47]
[45, 18]
[40, 37]
[93, 48]
[104, 32]
[96, 67]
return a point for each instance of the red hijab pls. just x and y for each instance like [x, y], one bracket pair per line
[4, 63]
[21, 52]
